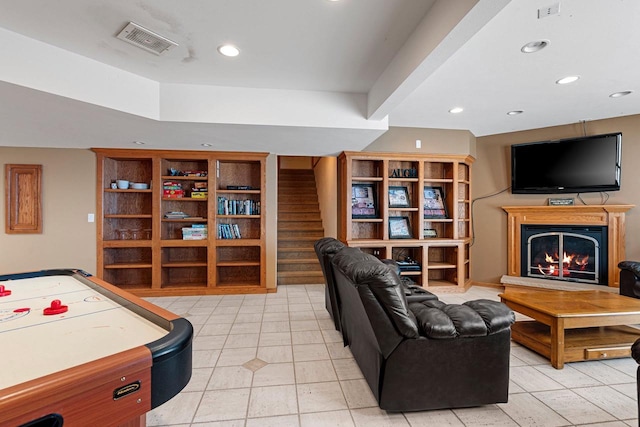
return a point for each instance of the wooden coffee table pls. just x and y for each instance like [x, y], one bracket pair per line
[572, 326]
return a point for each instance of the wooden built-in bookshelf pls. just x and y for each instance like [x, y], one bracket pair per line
[444, 259]
[142, 251]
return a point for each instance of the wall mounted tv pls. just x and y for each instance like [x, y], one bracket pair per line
[575, 165]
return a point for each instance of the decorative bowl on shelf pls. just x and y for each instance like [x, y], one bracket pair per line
[139, 186]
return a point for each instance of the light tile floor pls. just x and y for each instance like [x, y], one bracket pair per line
[276, 360]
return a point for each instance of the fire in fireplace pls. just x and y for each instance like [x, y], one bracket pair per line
[569, 253]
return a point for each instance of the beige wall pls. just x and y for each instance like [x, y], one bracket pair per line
[434, 141]
[68, 196]
[295, 162]
[271, 233]
[326, 172]
[491, 174]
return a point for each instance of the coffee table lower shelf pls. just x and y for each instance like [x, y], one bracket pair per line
[604, 342]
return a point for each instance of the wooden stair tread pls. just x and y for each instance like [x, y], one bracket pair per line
[298, 261]
[300, 273]
[294, 238]
[303, 249]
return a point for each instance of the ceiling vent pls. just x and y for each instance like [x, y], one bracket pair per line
[145, 39]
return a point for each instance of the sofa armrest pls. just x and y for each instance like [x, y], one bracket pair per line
[476, 318]
[632, 266]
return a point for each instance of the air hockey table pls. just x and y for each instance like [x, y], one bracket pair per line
[77, 351]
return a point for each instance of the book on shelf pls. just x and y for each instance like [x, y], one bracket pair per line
[237, 207]
[229, 231]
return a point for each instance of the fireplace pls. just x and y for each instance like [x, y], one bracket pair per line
[610, 217]
[564, 252]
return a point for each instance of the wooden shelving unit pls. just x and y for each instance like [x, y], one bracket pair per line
[444, 259]
[142, 251]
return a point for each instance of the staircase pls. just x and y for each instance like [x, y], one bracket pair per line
[299, 226]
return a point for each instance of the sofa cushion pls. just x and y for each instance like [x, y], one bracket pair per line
[472, 319]
[366, 270]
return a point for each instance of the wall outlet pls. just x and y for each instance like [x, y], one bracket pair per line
[554, 9]
[418, 143]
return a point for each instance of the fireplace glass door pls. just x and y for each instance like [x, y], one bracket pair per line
[563, 256]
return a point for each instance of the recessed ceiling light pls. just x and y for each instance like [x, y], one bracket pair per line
[568, 79]
[514, 112]
[535, 46]
[206, 145]
[228, 50]
[456, 110]
[139, 142]
[620, 94]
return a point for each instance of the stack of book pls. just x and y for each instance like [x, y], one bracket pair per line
[175, 215]
[195, 232]
[229, 231]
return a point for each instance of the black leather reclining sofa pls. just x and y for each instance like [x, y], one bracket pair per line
[420, 355]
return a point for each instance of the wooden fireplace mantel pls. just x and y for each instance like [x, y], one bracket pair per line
[611, 216]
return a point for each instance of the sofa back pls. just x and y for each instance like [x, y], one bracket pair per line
[372, 297]
[325, 249]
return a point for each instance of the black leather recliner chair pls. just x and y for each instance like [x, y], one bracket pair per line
[629, 278]
[426, 355]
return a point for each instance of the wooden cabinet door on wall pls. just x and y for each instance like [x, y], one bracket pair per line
[23, 191]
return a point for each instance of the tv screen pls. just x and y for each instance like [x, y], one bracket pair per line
[576, 165]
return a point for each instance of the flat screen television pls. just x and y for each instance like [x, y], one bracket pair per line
[575, 165]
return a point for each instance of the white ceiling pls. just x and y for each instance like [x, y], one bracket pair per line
[314, 77]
